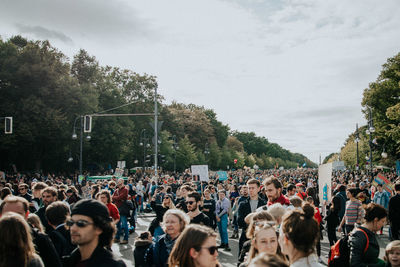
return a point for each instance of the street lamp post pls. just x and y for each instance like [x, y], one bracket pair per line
[144, 141]
[174, 147]
[357, 141]
[74, 137]
[206, 152]
[370, 131]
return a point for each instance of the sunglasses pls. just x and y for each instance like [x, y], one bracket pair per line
[80, 223]
[264, 223]
[189, 202]
[212, 249]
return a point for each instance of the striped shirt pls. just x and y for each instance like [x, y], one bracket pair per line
[354, 212]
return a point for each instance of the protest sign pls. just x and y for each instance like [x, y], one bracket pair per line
[222, 175]
[201, 171]
[324, 181]
[386, 184]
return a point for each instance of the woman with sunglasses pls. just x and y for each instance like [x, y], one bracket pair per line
[264, 240]
[167, 203]
[253, 220]
[195, 247]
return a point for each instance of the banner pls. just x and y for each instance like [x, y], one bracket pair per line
[121, 164]
[106, 177]
[222, 175]
[387, 185]
[81, 178]
[325, 182]
[201, 171]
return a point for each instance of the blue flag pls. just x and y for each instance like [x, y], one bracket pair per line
[398, 167]
[222, 175]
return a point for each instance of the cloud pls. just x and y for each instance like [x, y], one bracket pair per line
[291, 70]
[94, 20]
[43, 33]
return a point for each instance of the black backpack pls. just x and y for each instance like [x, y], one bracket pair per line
[339, 254]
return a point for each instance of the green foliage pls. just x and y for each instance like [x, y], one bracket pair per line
[383, 97]
[46, 94]
[186, 155]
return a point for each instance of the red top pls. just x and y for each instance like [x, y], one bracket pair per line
[317, 215]
[302, 195]
[114, 213]
[284, 201]
[119, 196]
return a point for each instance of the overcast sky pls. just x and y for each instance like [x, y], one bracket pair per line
[291, 70]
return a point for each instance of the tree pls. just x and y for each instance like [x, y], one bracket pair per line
[186, 155]
[383, 97]
[221, 131]
[38, 91]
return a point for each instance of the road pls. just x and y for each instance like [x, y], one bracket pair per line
[228, 259]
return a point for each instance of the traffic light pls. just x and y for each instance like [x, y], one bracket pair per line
[8, 125]
[161, 158]
[87, 123]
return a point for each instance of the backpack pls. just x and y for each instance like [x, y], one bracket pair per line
[339, 254]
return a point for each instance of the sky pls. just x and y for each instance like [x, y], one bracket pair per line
[293, 71]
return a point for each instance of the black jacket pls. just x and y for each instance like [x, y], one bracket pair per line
[358, 242]
[62, 241]
[245, 209]
[42, 215]
[157, 254]
[394, 209]
[100, 258]
[45, 248]
[140, 251]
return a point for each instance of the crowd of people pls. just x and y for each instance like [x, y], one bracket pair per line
[276, 215]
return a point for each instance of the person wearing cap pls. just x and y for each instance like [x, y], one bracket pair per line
[300, 191]
[92, 231]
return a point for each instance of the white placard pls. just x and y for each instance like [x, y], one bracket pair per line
[202, 171]
[121, 164]
[325, 182]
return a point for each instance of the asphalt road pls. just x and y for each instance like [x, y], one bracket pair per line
[228, 259]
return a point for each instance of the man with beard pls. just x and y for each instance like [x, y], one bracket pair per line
[196, 216]
[91, 230]
[273, 191]
[244, 194]
[49, 195]
[185, 190]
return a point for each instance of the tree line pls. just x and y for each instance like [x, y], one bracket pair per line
[45, 93]
[382, 100]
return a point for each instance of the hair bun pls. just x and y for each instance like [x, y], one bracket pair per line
[308, 211]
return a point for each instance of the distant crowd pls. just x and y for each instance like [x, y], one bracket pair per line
[276, 215]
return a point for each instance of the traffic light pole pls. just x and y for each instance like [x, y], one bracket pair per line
[81, 147]
[155, 134]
